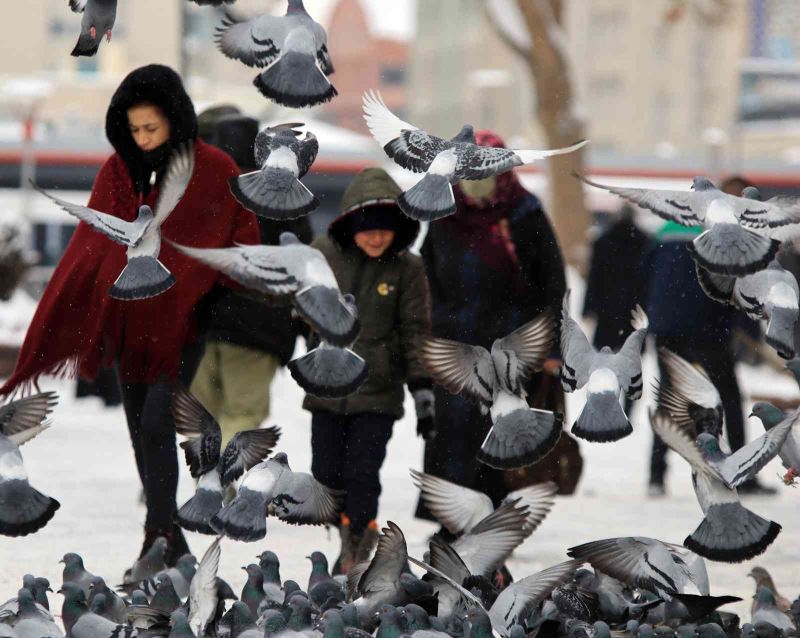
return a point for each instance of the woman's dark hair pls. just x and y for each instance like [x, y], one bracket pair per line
[162, 87]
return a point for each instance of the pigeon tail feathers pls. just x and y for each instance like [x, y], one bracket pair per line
[521, 438]
[330, 373]
[142, 278]
[323, 309]
[429, 199]
[195, 514]
[780, 331]
[295, 80]
[729, 249]
[244, 518]
[273, 193]
[85, 46]
[24, 510]
[730, 533]
[602, 420]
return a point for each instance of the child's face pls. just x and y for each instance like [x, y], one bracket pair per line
[374, 242]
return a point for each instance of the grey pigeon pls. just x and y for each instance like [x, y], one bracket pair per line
[444, 162]
[147, 566]
[331, 624]
[272, 487]
[771, 417]
[613, 597]
[114, 608]
[82, 623]
[321, 586]
[764, 579]
[710, 630]
[180, 625]
[271, 571]
[214, 468]
[771, 294]
[253, 590]
[203, 591]
[180, 576]
[728, 532]
[97, 21]
[647, 563]
[765, 611]
[74, 572]
[520, 436]
[607, 376]
[38, 587]
[275, 191]
[30, 622]
[459, 508]
[292, 50]
[741, 235]
[332, 369]
[143, 276]
[156, 614]
[23, 509]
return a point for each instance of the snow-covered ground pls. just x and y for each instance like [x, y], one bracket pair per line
[85, 461]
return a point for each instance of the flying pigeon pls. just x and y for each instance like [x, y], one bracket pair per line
[214, 468]
[97, 21]
[204, 590]
[770, 294]
[292, 50]
[293, 268]
[275, 190]
[459, 509]
[144, 276]
[647, 563]
[741, 235]
[520, 435]
[728, 532]
[444, 162]
[271, 487]
[771, 417]
[23, 510]
[607, 376]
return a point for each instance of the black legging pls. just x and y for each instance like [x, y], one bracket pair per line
[717, 360]
[152, 430]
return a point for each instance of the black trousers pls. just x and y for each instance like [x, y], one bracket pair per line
[347, 454]
[152, 431]
[717, 360]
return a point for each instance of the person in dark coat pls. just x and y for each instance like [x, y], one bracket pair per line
[492, 266]
[246, 339]
[153, 342]
[367, 249]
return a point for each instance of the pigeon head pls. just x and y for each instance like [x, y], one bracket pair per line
[268, 558]
[254, 573]
[29, 581]
[178, 620]
[388, 616]
[290, 587]
[138, 597]
[479, 622]
[517, 631]
[748, 631]
[702, 184]
[98, 604]
[416, 618]
[295, 6]
[318, 561]
[330, 619]
[645, 631]
[26, 600]
[273, 622]
[466, 134]
[98, 585]
[765, 596]
[72, 592]
[145, 212]
[601, 629]
[281, 458]
[187, 565]
[72, 560]
[287, 239]
[751, 192]
[607, 350]
[769, 415]
[40, 583]
[160, 545]
[762, 577]
[709, 446]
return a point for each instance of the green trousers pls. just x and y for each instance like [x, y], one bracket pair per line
[233, 382]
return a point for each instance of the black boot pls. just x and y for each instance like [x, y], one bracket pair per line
[176, 545]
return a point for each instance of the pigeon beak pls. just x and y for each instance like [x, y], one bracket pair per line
[61, 562]
[50, 589]
[244, 568]
[751, 415]
[59, 591]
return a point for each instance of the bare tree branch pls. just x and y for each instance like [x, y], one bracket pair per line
[491, 13]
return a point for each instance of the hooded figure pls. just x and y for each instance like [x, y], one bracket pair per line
[367, 249]
[78, 327]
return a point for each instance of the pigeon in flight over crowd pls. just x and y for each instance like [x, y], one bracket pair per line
[292, 50]
[97, 21]
[771, 417]
[444, 162]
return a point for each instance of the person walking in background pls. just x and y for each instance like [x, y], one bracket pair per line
[492, 266]
[78, 327]
[246, 339]
[694, 326]
[617, 281]
[367, 249]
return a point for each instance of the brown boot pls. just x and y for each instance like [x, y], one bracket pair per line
[347, 553]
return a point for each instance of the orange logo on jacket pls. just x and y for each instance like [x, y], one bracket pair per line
[384, 289]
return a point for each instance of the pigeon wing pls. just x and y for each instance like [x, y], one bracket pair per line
[447, 560]
[576, 351]
[718, 287]
[245, 450]
[680, 442]
[26, 414]
[693, 565]
[192, 420]
[300, 499]
[538, 498]
[479, 162]
[670, 205]
[116, 229]
[745, 463]
[628, 361]
[777, 218]
[307, 153]
[460, 368]
[383, 573]
[203, 588]
[531, 343]
[254, 42]
[454, 506]
[173, 186]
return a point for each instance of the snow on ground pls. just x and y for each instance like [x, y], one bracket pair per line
[85, 461]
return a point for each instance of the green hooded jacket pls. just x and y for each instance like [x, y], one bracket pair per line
[392, 297]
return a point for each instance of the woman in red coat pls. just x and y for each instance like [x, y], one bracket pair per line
[79, 328]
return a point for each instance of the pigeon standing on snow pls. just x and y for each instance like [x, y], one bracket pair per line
[293, 268]
[275, 190]
[144, 276]
[728, 532]
[770, 294]
[215, 469]
[292, 50]
[82, 623]
[75, 572]
[741, 235]
[444, 162]
[766, 611]
[31, 623]
[789, 453]
[607, 376]
[520, 435]
[97, 21]
[271, 570]
[23, 510]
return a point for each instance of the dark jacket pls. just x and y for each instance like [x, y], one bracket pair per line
[392, 297]
[617, 281]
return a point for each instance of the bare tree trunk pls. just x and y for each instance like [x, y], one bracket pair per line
[548, 62]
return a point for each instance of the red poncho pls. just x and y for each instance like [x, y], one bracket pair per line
[79, 328]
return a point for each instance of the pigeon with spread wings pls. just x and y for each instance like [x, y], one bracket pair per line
[291, 49]
[741, 235]
[144, 276]
[520, 435]
[607, 376]
[444, 162]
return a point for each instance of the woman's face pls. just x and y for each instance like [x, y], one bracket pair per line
[374, 242]
[148, 125]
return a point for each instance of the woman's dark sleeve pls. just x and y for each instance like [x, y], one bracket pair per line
[594, 282]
